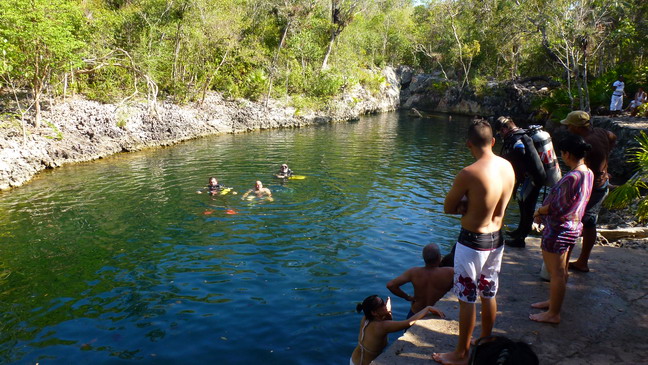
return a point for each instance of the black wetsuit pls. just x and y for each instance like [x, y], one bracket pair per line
[518, 148]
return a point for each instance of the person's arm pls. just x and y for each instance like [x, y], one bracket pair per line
[452, 203]
[532, 162]
[395, 326]
[247, 193]
[395, 284]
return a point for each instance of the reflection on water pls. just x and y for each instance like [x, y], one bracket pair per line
[120, 259]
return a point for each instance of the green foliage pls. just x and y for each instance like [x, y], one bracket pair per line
[631, 191]
[189, 47]
[58, 135]
[326, 83]
[40, 38]
[556, 104]
[371, 80]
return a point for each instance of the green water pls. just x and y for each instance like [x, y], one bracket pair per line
[120, 261]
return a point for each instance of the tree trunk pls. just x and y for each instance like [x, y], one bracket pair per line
[328, 51]
[274, 62]
[588, 107]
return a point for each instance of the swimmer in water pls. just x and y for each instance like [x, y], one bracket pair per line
[258, 191]
[284, 172]
[213, 187]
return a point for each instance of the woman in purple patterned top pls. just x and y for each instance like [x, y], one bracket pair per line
[561, 213]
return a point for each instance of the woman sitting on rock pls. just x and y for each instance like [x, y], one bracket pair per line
[376, 324]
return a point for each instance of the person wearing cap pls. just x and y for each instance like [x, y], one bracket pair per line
[602, 141]
[519, 150]
[616, 103]
[284, 172]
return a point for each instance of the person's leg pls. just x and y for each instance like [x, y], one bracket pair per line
[589, 238]
[527, 208]
[488, 314]
[467, 318]
[556, 263]
[589, 228]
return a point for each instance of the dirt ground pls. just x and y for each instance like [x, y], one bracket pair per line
[604, 316]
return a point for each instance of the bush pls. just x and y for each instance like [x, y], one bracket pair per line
[326, 84]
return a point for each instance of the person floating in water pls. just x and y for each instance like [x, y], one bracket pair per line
[258, 191]
[284, 172]
[430, 282]
[214, 188]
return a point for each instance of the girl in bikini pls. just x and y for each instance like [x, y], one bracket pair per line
[376, 324]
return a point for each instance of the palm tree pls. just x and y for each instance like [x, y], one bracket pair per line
[630, 192]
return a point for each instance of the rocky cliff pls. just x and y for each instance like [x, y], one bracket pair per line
[432, 92]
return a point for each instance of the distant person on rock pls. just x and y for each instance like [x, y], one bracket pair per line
[376, 324]
[639, 99]
[284, 172]
[258, 191]
[561, 213]
[602, 142]
[616, 102]
[487, 186]
[430, 282]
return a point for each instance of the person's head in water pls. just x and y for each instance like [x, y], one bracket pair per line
[258, 185]
[373, 307]
[212, 181]
[480, 133]
[284, 168]
[431, 255]
[575, 145]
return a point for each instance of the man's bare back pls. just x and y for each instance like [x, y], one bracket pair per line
[430, 285]
[430, 282]
[488, 185]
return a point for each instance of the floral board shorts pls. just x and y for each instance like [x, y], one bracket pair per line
[477, 262]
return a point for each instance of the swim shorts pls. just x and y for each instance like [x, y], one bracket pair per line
[594, 206]
[478, 259]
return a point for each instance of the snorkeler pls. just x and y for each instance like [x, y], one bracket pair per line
[284, 172]
[214, 188]
[258, 191]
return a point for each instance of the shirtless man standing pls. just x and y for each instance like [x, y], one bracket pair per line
[430, 282]
[487, 184]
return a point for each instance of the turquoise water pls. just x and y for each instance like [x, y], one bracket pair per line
[120, 261]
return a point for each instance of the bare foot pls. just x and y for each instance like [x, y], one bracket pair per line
[545, 317]
[576, 267]
[450, 358]
[540, 305]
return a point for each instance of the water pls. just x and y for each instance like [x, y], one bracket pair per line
[120, 261]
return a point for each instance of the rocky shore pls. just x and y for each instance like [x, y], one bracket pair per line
[81, 130]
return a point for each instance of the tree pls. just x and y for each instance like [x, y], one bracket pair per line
[572, 33]
[630, 191]
[342, 13]
[44, 39]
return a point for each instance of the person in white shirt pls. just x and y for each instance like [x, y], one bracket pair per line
[639, 99]
[616, 104]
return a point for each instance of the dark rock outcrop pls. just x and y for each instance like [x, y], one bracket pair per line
[432, 92]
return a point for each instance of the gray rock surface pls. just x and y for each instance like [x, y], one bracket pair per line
[81, 130]
[604, 316]
[432, 92]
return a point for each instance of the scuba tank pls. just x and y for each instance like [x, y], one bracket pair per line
[542, 142]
